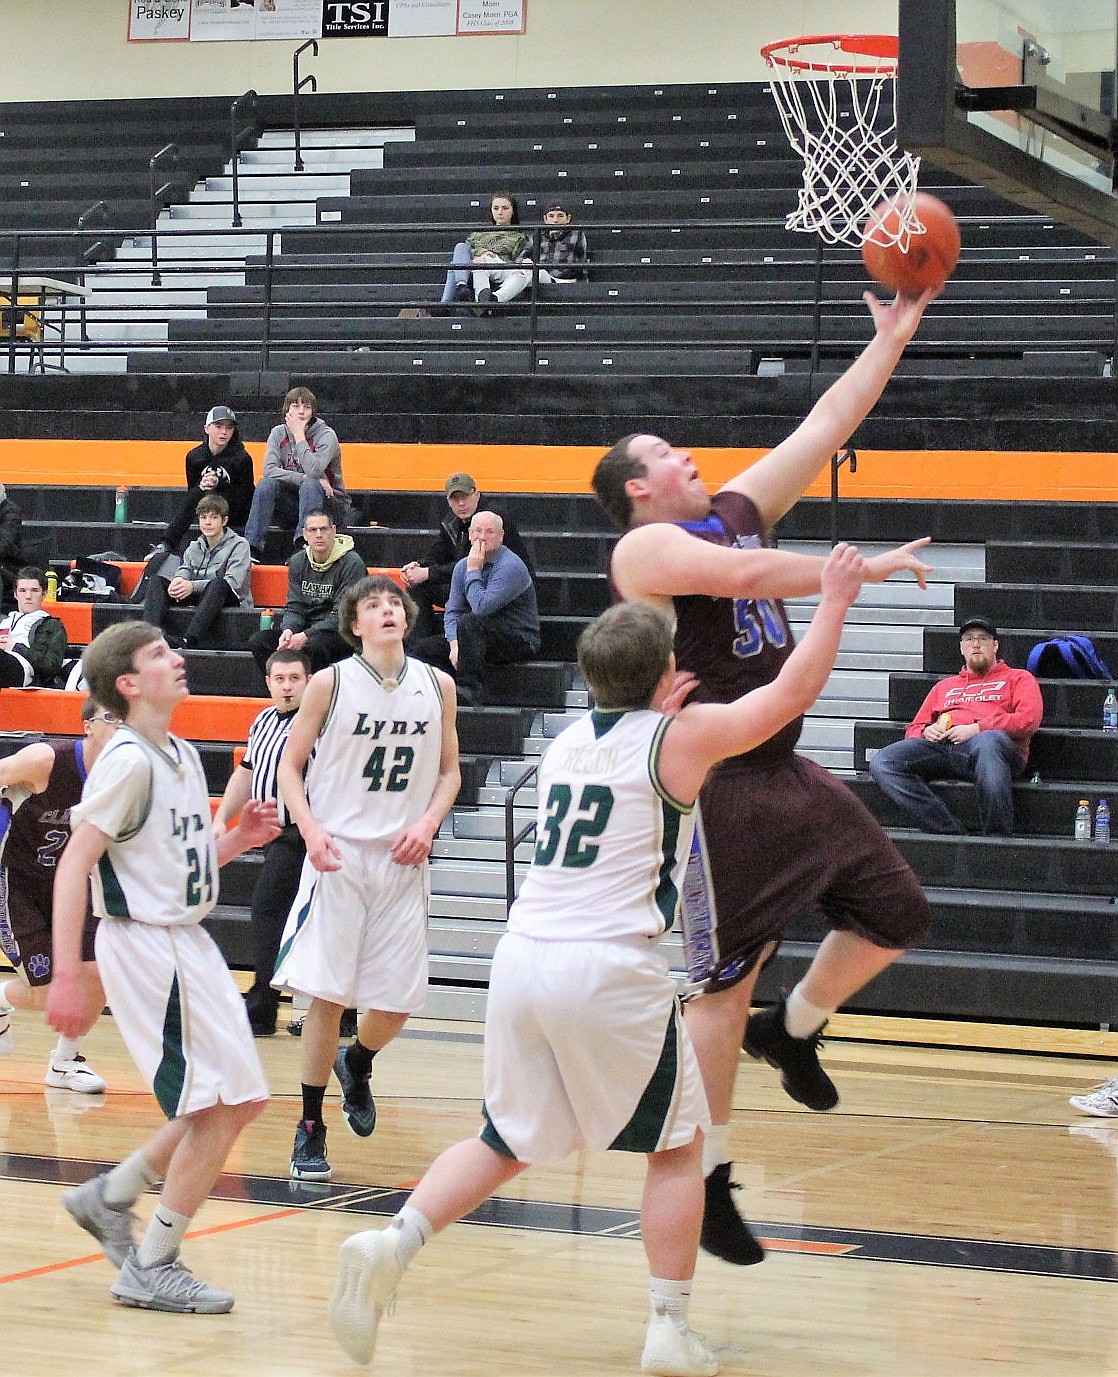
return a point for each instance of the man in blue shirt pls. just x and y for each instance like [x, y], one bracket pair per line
[491, 615]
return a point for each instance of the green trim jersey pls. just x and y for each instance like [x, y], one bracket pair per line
[376, 762]
[611, 841]
[160, 866]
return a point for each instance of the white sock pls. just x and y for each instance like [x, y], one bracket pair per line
[67, 1050]
[125, 1183]
[6, 1005]
[164, 1237]
[670, 1297]
[801, 1017]
[415, 1229]
[716, 1147]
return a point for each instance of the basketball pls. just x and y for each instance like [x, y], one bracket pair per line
[930, 258]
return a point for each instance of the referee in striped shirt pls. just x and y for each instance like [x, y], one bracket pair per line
[287, 675]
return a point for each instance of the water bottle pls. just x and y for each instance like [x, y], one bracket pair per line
[1102, 823]
[51, 595]
[1110, 711]
[267, 619]
[120, 510]
[1083, 821]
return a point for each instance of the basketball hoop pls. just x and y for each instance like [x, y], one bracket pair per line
[829, 89]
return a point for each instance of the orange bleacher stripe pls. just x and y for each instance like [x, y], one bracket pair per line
[995, 475]
[57, 713]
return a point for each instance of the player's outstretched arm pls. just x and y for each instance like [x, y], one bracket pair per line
[321, 850]
[905, 559]
[656, 562]
[778, 481]
[705, 733]
[71, 999]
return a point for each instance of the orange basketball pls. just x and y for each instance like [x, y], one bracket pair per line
[930, 258]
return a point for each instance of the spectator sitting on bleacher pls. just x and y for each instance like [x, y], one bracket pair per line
[563, 255]
[489, 253]
[220, 466]
[302, 472]
[11, 546]
[975, 725]
[32, 642]
[214, 572]
[428, 579]
[317, 576]
[491, 617]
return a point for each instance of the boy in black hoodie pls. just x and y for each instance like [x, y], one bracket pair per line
[219, 465]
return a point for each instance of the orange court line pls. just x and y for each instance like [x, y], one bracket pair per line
[100, 1257]
[795, 1245]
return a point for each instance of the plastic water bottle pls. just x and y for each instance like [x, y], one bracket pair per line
[1102, 823]
[267, 618]
[51, 595]
[1083, 821]
[120, 510]
[1110, 711]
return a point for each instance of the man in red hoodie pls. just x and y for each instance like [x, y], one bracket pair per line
[975, 725]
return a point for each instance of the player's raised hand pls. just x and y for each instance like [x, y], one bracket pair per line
[899, 318]
[905, 559]
[843, 574]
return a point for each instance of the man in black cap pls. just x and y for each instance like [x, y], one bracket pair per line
[428, 579]
[975, 725]
[220, 466]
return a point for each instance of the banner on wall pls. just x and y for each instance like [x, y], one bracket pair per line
[221, 21]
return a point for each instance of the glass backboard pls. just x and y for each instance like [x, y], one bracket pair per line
[1019, 95]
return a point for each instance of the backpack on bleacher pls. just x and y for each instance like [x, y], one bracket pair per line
[90, 580]
[1067, 657]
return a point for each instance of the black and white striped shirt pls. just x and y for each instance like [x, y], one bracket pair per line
[266, 739]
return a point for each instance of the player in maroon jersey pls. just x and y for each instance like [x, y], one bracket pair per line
[38, 786]
[778, 835]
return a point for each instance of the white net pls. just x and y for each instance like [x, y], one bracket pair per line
[835, 97]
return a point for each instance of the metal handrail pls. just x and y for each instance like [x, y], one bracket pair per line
[95, 217]
[239, 135]
[847, 455]
[512, 837]
[168, 155]
[296, 88]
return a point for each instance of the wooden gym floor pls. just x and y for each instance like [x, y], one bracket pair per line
[953, 1216]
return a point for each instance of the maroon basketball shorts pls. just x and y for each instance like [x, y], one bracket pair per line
[25, 933]
[775, 842]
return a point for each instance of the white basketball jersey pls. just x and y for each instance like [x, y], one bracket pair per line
[611, 842]
[376, 762]
[161, 865]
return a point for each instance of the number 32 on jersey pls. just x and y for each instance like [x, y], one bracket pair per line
[567, 836]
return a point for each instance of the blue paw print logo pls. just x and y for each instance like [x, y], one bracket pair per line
[39, 965]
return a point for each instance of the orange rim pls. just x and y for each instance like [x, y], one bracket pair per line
[785, 52]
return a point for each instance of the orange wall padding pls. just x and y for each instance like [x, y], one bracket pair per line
[58, 713]
[958, 475]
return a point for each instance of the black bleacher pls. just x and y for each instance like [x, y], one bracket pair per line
[1025, 926]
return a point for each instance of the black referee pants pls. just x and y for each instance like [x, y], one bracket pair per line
[271, 902]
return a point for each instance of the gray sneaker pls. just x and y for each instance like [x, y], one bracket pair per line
[358, 1105]
[168, 1286]
[368, 1275]
[110, 1225]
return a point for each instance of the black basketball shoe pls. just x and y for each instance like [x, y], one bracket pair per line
[797, 1059]
[725, 1234]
